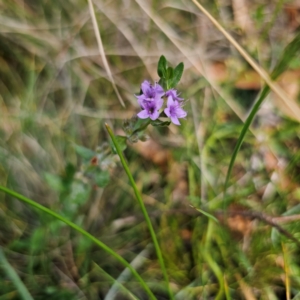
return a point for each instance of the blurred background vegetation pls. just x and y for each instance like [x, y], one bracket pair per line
[56, 93]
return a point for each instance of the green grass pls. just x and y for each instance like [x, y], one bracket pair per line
[60, 84]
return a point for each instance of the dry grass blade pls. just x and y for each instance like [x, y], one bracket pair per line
[293, 107]
[247, 292]
[102, 53]
[129, 35]
[286, 271]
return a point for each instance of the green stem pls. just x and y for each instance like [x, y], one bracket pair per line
[83, 232]
[147, 218]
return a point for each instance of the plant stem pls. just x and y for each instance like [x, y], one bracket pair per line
[83, 232]
[147, 218]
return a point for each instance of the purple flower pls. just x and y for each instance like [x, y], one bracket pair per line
[173, 94]
[174, 110]
[150, 109]
[150, 101]
[150, 92]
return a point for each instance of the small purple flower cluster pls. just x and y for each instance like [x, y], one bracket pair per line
[151, 102]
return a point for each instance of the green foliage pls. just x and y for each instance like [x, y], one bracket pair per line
[102, 178]
[84, 152]
[169, 77]
[289, 52]
[160, 123]
[178, 71]
[162, 67]
[121, 141]
[56, 96]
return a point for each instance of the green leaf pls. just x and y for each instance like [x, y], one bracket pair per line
[10, 272]
[206, 214]
[54, 182]
[163, 83]
[162, 67]
[84, 152]
[140, 124]
[170, 73]
[102, 178]
[177, 75]
[143, 137]
[68, 175]
[79, 192]
[159, 123]
[289, 52]
[138, 136]
[121, 140]
[128, 126]
[37, 241]
[287, 56]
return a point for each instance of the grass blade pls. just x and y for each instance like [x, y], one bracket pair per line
[82, 231]
[12, 274]
[138, 261]
[289, 52]
[206, 214]
[242, 135]
[145, 213]
[115, 283]
[102, 53]
[294, 108]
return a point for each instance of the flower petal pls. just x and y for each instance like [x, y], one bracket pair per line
[143, 114]
[170, 101]
[175, 120]
[173, 94]
[167, 112]
[145, 86]
[141, 101]
[159, 102]
[140, 96]
[180, 112]
[154, 115]
[158, 90]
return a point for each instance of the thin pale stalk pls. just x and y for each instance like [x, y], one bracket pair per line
[101, 50]
[117, 283]
[138, 261]
[294, 108]
[145, 213]
[83, 232]
[287, 272]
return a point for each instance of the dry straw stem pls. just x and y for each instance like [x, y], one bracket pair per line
[287, 272]
[247, 291]
[135, 43]
[292, 106]
[101, 50]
